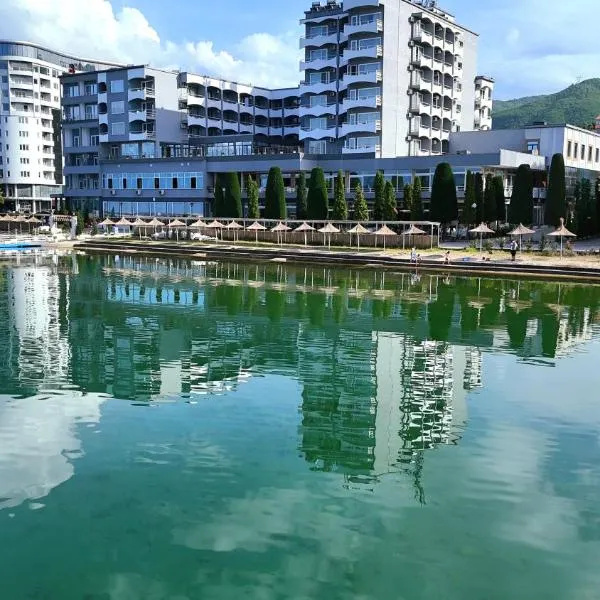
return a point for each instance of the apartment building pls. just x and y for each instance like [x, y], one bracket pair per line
[30, 122]
[124, 112]
[385, 78]
[484, 90]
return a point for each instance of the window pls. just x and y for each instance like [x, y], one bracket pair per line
[575, 150]
[365, 43]
[582, 151]
[597, 154]
[118, 128]
[109, 183]
[569, 149]
[117, 108]
[156, 183]
[318, 100]
[24, 161]
[117, 86]
[24, 147]
[317, 147]
[138, 183]
[90, 87]
[175, 183]
[124, 183]
[590, 150]
[533, 147]
[363, 118]
[193, 183]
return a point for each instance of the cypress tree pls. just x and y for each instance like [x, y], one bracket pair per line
[479, 197]
[489, 200]
[444, 205]
[521, 202]
[379, 188]
[408, 197]
[416, 211]
[275, 205]
[556, 206]
[498, 187]
[361, 210]
[301, 191]
[253, 207]
[318, 199]
[389, 202]
[340, 207]
[218, 205]
[468, 214]
[232, 200]
[584, 208]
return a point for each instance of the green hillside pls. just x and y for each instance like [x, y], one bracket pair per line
[579, 104]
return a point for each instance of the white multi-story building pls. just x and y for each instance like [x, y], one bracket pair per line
[30, 140]
[484, 89]
[385, 78]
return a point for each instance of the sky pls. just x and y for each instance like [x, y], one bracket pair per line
[529, 46]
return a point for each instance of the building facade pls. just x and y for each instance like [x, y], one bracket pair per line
[30, 122]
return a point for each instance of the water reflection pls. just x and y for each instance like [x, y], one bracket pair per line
[384, 361]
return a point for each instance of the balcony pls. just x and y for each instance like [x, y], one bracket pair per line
[422, 35]
[213, 102]
[262, 111]
[140, 92]
[261, 130]
[418, 105]
[370, 102]
[317, 133]
[318, 110]
[366, 127]
[370, 77]
[291, 130]
[374, 26]
[137, 115]
[320, 39]
[354, 53]
[140, 136]
[421, 60]
[290, 111]
[317, 64]
[376, 149]
[318, 87]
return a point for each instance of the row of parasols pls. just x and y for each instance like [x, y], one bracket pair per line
[281, 228]
[20, 220]
[561, 232]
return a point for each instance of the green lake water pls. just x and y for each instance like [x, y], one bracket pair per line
[172, 430]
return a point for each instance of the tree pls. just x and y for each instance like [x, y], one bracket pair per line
[597, 199]
[379, 188]
[407, 197]
[1, 196]
[253, 207]
[340, 208]
[416, 210]
[556, 195]
[318, 199]
[489, 200]
[584, 208]
[500, 199]
[232, 199]
[479, 197]
[361, 210]
[444, 205]
[390, 210]
[80, 223]
[219, 201]
[301, 191]
[521, 201]
[468, 214]
[275, 204]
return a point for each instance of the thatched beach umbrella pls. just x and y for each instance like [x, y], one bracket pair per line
[305, 227]
[216, 225]
[412, 230]
[177, 225]
[199, 224]
[520, 231]
[155, 223]
[233, 226]
[483, 228]
[140, 224]
[256, 227]
[357, 230]
[385, 231]
[33, 220]
[562, 232]
[279, 229]
[20, 219]
[327, 231]
[106, 223]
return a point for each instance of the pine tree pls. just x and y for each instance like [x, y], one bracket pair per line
[489, 200]
[407, 199]
[521, 202]
[340, 207]
[379, 188]
[479, 197]
[301, 192]
[361, 210]
[318, 199]
[416, 211]
[468, 213]
[500, 199]
[232, 200]
[444, 205]
[556, 196]
[275, 204]
[389, 202]
[253, 194]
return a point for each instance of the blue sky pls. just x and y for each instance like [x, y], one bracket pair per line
[528, 46]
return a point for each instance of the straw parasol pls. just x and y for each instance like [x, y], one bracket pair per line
[483, 228]
[357, 230]
[305, 227]
[106, 223]
[279, 229]
[33, 220]
[20, 219]
[199, 224]
[385, 231]
[139, 223]
[561, 232]
[216, 225]
[412, 230]
[177, 225]
[233, 226]
[123, 222]
[520, 231]
[256, 227]
[328, 230]
[155, 223]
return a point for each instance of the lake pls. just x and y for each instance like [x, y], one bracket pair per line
[188, 430]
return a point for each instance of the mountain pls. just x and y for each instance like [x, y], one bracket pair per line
[579, 104]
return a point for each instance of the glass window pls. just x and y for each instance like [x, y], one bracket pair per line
[118, 128]
[569, 149]
[117, 108]
[117, 86]
[130, 150]
[582, 151]
[575, 150]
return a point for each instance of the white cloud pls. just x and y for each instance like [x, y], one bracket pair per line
[92, 29]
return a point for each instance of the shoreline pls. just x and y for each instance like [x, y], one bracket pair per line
[465, 265]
